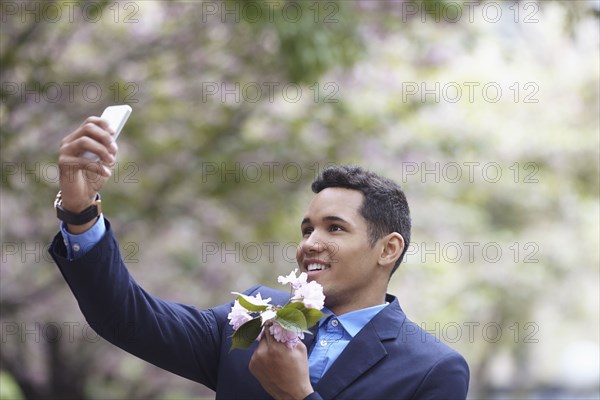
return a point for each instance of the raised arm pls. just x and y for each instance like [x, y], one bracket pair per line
[80, 178]
[175, 337]
[178, 338]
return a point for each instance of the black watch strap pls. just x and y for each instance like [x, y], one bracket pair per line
[81, 218]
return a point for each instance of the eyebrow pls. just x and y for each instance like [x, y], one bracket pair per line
[327, 218]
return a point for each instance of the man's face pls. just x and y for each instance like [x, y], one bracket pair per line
[335, 251]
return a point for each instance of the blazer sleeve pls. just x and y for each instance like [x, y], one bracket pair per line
[172, 336]
[447, 379]
[313, 396]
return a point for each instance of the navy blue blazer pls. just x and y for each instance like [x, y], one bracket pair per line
[390, 358]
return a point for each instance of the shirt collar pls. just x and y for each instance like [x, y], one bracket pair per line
[354, 321]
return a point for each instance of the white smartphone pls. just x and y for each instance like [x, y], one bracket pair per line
[116, 116]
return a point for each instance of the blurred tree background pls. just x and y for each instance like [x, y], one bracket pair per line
[485, 112]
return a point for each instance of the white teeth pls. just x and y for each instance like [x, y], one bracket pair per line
[315, 267]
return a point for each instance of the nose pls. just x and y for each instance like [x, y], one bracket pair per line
[312, 244]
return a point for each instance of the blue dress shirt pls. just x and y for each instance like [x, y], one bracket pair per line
[78, 245]
[333, 336]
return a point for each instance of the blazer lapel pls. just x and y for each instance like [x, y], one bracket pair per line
[310, 339]
[363, 352]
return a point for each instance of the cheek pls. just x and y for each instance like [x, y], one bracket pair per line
[335, 251]
[358, 258]
[298, 252]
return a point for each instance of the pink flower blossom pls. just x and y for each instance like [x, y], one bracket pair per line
[245, 307]
[311, 294]
[289, 338]
[295, 281]
[238, 315]
[256, 300]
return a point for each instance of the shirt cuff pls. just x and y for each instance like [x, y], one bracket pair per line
[78, 245]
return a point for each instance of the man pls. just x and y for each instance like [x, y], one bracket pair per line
[354, 234]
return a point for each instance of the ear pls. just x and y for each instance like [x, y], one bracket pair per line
[393, 245]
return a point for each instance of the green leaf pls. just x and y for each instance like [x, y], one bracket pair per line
[312, 315]
[246, 334]
[297, 305]
[246, 302]
[291, 319]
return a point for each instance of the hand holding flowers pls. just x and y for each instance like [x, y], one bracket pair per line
[250, 314]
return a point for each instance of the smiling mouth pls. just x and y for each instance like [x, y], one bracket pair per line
[311, 267]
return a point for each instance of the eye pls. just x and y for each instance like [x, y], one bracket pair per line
[307, 230]
[336, 228]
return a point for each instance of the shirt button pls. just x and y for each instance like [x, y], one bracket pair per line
[76, 247]
[323, 343]
[334, 322]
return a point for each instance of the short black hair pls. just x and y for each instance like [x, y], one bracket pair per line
[384, 206]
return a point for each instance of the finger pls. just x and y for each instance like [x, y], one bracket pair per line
[69, 164]
[100, 122]
[85, 144]
[94, 139]
[267, 336]
[301, 348]
[95, 168]
[101, 132]
[97, 129]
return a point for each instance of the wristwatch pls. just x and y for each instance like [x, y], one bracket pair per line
[81, 218]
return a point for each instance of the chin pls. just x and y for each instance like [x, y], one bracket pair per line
[316, 279]
[325, 292]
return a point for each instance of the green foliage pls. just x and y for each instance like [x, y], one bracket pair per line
[291, 319]
[179, 212]
[293, 316]
[246, 334]
[246, 302]
[312, 37]
[311, 315]
[9, 390]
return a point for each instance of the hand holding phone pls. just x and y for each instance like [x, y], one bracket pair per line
[116, 116]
